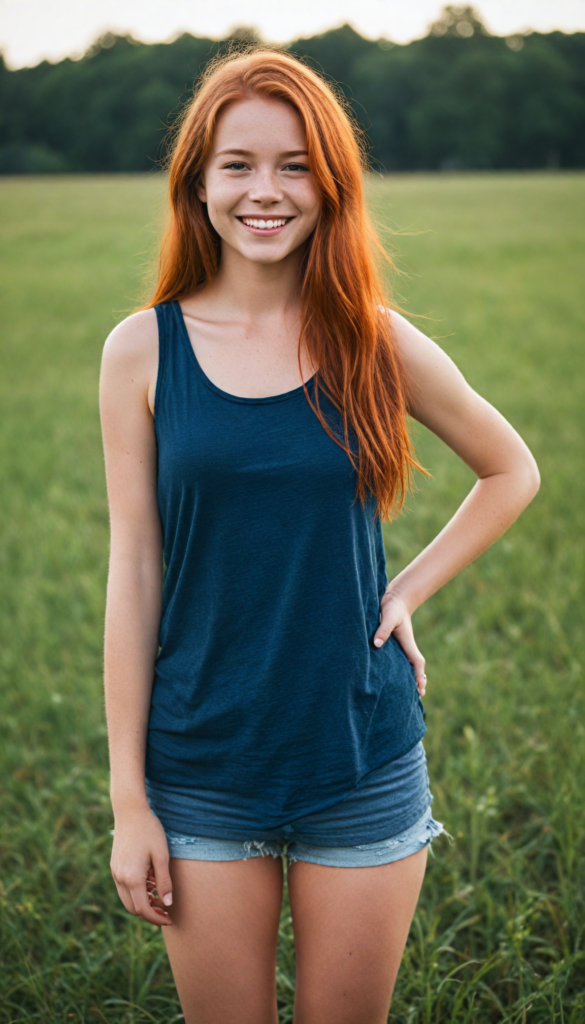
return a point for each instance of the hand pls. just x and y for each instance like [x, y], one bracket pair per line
[395, 618]
[140, 864]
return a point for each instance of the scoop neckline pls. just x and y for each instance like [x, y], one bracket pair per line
[266, 399]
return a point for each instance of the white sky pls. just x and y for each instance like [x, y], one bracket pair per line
[31, 30]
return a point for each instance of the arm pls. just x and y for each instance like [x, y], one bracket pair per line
[133, 605]
[508, 479]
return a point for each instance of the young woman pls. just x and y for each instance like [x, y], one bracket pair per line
[263, 695]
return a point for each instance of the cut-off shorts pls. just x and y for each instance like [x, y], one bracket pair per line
[364, 855]
[388, 817]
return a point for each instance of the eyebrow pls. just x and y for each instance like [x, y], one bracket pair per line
[248, 152]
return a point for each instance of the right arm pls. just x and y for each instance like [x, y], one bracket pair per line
[133, 606]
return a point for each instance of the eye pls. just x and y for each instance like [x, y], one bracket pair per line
[236, 165]
[296, 167]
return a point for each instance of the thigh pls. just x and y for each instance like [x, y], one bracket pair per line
[350, 927]
[222, 943]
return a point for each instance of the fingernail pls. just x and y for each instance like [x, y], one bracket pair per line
[168, 899]
[378, 641]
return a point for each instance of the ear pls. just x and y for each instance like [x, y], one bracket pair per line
[200, 188]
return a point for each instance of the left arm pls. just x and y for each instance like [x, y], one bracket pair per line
[508, 479]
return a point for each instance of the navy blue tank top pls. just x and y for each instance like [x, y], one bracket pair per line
[267, 682]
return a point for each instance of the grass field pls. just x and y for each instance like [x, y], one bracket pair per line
[495, 263]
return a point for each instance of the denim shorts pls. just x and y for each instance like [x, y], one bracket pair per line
[364, 855]
[385, 818]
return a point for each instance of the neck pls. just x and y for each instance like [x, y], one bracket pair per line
[250, 291]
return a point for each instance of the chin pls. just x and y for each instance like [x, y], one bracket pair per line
[273, 257]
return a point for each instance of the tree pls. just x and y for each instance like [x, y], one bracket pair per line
[459, 97]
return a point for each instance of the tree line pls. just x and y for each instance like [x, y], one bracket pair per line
[458, 98]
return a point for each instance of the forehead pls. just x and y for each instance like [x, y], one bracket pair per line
[259, 123]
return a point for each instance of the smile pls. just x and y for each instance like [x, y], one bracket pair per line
[265, 225]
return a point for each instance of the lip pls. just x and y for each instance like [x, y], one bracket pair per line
[265, 232]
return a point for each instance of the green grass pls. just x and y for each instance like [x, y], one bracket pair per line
[495, 263]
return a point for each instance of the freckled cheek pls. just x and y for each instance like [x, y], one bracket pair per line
[308, 200]
[219, 210]
[222, 199]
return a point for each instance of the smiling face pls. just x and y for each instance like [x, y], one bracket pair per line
[261, 198]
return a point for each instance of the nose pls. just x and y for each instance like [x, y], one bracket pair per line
[265, 188]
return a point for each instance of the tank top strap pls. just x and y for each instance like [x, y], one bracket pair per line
[174, 371]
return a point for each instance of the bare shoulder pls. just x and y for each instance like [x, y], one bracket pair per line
[421, 356]
[432, 378]
[130, 356]
[134, 339]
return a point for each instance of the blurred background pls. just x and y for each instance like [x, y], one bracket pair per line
[474, 119]
[455, 96]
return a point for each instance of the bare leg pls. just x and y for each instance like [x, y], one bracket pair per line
[351, 927]
[222, 943]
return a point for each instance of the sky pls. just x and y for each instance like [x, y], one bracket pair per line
[33, 30]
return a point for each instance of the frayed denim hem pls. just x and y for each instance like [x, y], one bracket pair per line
[385, 851]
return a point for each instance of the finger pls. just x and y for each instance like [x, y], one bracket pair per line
[152, 892]
[149, 913]
[387, 625]
[151, 889]
[164, 885]
[125, 896]
[405, 636]
[136, 899]
[156, 903]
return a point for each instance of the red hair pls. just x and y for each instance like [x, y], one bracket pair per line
[344, 323]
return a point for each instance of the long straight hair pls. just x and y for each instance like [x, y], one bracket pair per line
[344, 310]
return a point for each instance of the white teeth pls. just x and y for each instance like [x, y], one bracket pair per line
[266, 224]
